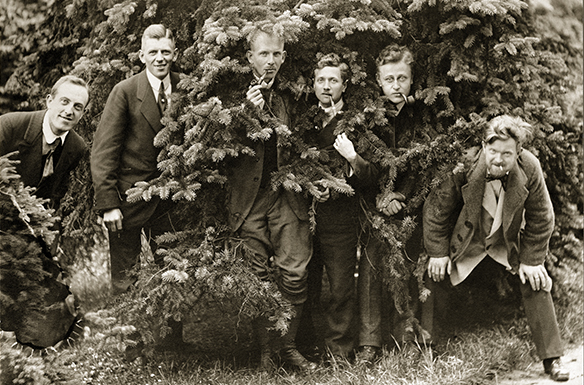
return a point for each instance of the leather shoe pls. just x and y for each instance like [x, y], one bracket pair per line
[367, 355]
[292, 357]
[555, 368]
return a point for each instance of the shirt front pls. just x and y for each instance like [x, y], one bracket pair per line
[49, 136]
[155, 84]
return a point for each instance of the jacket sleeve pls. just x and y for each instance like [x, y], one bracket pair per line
[441, 210]
[6, 135]
[107, 148]
[539, 217]
[366, 172]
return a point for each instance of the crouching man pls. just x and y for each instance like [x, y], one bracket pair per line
[498, 207]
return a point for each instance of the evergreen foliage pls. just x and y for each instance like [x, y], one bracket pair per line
[473, 60]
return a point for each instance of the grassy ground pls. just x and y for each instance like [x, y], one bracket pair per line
[485, 337]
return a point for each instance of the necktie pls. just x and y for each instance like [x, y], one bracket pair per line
[161, 98]
[48, 168]
[503, 179]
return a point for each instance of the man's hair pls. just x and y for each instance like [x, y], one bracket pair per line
[68, 79]
[157, 31]
[265, 29]
[505, 126]
[394, 53]
[333, 60]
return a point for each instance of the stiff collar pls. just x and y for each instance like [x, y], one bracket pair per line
[155, 83]
[48, 134]
[333, 110]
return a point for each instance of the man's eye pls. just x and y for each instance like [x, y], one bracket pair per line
[389, 80]
[401, 79]
[334, 81]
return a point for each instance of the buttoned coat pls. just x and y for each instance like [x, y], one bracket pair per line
[23, 132]
[123, 149]
[245, 174]
[452, 212]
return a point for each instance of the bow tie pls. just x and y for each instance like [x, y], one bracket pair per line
[503, 179]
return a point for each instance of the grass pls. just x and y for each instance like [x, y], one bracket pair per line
[477, 347]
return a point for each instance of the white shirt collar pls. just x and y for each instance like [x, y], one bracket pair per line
[48, 134]
[333, 110]
[155, 84]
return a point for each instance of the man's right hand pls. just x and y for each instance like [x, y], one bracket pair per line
[438, 267]
[113, 219]
[254, 95]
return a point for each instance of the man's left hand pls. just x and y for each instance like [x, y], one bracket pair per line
[536, 275]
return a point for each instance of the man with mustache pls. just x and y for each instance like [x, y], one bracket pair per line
[337, 215]
[272, 223]
[498, 208]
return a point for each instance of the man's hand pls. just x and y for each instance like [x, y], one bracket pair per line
[438, 267]
[396, 204]
[323, 192]
[536, 275]
[113, 219]
[254, 95]
[345, 147]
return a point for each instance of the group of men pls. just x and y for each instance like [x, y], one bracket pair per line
[498, 206]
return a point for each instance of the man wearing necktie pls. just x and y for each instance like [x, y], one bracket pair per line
[498, 207]
[124, 153]
[272, 223]
[48, 148]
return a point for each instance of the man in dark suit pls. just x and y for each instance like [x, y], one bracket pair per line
[337, 215]
[48, 148]
[271, 223]
[124, 153]
[498, 206]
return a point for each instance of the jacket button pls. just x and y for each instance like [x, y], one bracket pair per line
[256, 179]
[459, 237]
[468, 224]
[453, 249]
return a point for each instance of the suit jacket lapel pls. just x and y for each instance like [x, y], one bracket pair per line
[148, 106]
[31, 149]
[474, 189]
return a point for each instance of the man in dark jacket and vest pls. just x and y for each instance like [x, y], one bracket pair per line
[499, 207]
[272, 223]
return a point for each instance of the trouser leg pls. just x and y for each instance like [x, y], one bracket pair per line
[370, 288]
[339, 252]
[541, 317]
[125, 247]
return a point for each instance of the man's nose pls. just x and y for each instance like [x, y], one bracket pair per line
[159, 56]
[69, 109]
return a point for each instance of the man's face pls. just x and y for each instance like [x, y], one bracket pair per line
[501, 156]
[328, 85]
[395, 79]
[158, 55]
[66, 107]
[266, 55]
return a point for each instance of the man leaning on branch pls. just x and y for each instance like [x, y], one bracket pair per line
[498, 207]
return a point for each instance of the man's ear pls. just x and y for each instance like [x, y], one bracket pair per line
[283, 56]
[175, 56]
[248, 56]
[141, 56]
[49, 99]
[484, 144]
